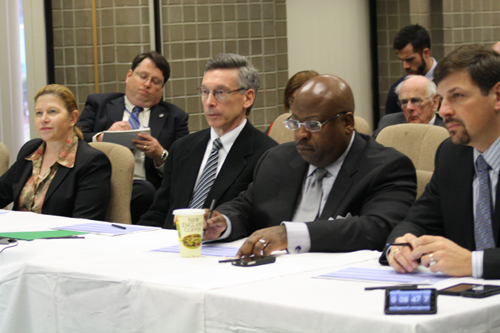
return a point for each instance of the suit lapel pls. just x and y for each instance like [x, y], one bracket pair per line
[496, 217]
[61, 173]
[291, 191]
[190, 165]
[344, 179]
[235, 162]
[28, 171]
[157, 119]
[115, 109]
[463, 173]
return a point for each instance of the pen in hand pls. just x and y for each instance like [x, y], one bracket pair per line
[212, 205]
[210, 211]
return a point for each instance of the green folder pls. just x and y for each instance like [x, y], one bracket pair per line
[30, 235]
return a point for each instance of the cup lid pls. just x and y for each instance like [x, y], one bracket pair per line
[189, 211]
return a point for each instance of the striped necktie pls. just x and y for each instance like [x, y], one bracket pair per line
[134, 118]
[207, 177]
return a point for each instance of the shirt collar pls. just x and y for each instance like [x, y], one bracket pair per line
[67, 155]
[228, 138]
[433, 120]
[334, 168]
[130, 107]
[430, 73]
[491, 155]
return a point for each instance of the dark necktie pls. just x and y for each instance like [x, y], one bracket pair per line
[311, 202]
[207, 177]
[134, 118]
[482, 228]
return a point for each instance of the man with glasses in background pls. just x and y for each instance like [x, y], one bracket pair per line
[419, 102]
[332, 190]
[216, 163]
[141, 106]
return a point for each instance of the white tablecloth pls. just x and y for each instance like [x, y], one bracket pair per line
[118, 284]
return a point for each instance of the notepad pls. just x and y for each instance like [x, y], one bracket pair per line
[385, 275]
[105, 228]
[31, 235]
[206, 250]
[124, 138]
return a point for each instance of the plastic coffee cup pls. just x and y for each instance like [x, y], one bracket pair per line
[189, 223]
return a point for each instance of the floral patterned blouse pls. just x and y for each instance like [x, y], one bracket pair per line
[35, 189]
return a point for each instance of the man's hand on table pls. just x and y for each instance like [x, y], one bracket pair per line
[264, 241]
[438, 253]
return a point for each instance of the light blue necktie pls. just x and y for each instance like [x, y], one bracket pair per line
[482, 228]
[134, 118]
[207, 177]
[311, 202]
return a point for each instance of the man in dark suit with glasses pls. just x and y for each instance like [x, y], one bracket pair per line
[332, 190]
[216, 163]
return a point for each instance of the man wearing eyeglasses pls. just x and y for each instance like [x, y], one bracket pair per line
[140, 107]
[332, 190]
[454, 227]
[215, 164]
[419, 102]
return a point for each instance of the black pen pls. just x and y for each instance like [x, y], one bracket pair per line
[211, 209]
[403, 286]
[63, 237]
[118, 226]
[399, 244]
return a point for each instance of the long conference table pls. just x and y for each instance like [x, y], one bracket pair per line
[120, 284]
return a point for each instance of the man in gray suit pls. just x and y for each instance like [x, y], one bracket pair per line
[419, 102]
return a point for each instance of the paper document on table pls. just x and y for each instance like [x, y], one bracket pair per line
[386, 275]
[31, 235]
[206, 250]
[106, 228]
[124, 138]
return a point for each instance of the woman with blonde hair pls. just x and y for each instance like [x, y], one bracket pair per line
[59, 173]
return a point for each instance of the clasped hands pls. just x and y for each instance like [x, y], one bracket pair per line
[261, 242]
[438, 253]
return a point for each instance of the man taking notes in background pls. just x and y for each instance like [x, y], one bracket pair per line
[141, 106]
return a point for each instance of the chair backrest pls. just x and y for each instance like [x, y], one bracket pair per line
[423, 177]
[281, 134]
[417, 141]
[122, 176]
[4, 158]
[362, 126]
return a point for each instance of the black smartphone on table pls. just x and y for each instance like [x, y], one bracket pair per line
[471, 290]
[410, 301]
[251, 261]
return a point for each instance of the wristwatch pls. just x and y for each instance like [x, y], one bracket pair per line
[163, 156]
